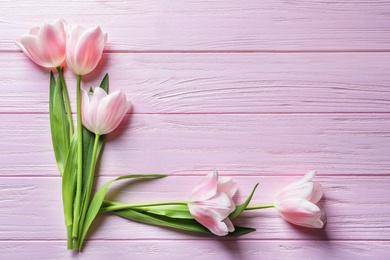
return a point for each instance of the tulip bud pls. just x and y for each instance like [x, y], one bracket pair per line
[296, 203]
[84, 48]
[211, 203]
[45, 45]
[101, 113]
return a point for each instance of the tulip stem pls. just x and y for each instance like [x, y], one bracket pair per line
[121, 206]
[77, 208]
[265, 206]
[69, 237]
[90, 181]
[67, 102]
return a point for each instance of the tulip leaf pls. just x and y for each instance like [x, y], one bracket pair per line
[238, 230]
[240, 208]
[88, 143]
[98, 199]
[172, 211]
[59, 124]
[179, 211]
[104, 83]
[170, 222]
[52, 88]
[69, 187]
[159, 220]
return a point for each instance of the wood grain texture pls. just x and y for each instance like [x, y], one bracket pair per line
[216, 25]
[248, 144]
[357, 209]
[210, 249]
[218, 82]
[263, 91]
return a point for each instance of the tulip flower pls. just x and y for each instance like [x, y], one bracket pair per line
[45, 45]
[84, 48]
[102, 113]
[211, 203]
[296, 203]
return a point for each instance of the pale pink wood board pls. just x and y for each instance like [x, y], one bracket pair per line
[263, 91]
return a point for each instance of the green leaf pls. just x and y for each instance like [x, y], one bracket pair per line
[104, 83]
[240, 208]
[98, 199]
[69, 182]
[172, 211]
[158, 220]
[59, 124]
[238, 230]
[88, 143]
[176, 223]
[52, 88]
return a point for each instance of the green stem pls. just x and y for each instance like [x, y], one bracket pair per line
[77, 208]
[265, 206]
[69, 230]
[67, 102]
[87, 197]
[120, 206]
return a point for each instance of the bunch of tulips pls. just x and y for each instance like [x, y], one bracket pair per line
[210, 207]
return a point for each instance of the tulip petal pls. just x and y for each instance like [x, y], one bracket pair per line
[229, 224]
[61, 25]
[207, 188]
[211, 220]
[99, 95]
[210, 203]
[45, 45]
[89, 49]
[296, 203]
[303, 191]
[102, 113]
[34, 30]
[300, 212]
[52, 44]
[29, 45]
[297, 207]
[306, 178]
[86, 113]
[220, 203]
[75, 31]
[316, 221]
[317, 193]
[227, 185]
[111, 111]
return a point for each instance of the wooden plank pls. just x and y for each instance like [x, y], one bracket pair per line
[213, 25]
[218, 83]
[208, 249]
[357, 209]
[249, 144]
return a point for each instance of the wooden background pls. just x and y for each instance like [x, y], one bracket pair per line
[262, 91]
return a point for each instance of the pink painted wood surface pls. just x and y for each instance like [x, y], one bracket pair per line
[261, 90]
[209, 249]
[209, 83]
[216, 25]
[186, 144]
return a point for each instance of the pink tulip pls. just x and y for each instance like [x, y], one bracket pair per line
[211, 203]
[45, 45]
[84, 48]
[296, 203]
[101, 113]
